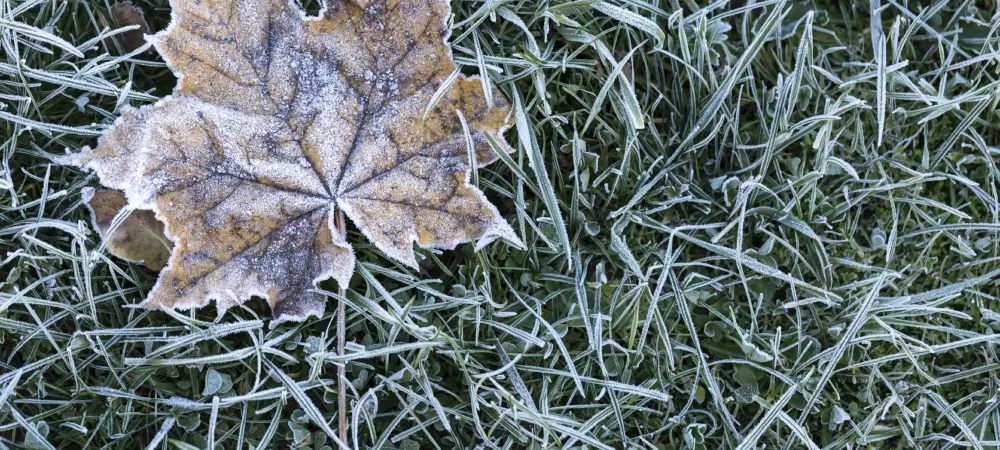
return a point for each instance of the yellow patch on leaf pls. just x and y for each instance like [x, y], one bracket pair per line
[279, 120]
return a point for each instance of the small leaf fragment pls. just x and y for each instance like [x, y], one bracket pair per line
[139, 238]
[280, 120]
[128, 14]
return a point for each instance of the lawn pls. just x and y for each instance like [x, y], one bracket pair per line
[747, 224]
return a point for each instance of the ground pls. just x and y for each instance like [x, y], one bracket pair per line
[747, 225]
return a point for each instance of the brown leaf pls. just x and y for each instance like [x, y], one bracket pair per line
[127, 14]
[280, 119]
[139, 238]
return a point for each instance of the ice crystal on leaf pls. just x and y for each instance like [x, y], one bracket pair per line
[277, 121]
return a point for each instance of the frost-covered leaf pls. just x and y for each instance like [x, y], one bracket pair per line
[139, 238]
[838, 416]
[280, 119]
[216, 383]
[37, 440]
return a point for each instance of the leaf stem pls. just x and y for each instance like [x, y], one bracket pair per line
[341, 327]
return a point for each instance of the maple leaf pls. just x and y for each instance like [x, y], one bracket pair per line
[277, 121]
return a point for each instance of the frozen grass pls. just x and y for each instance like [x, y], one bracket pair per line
[749, 224]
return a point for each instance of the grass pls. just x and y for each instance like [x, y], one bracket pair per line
[749, 224]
